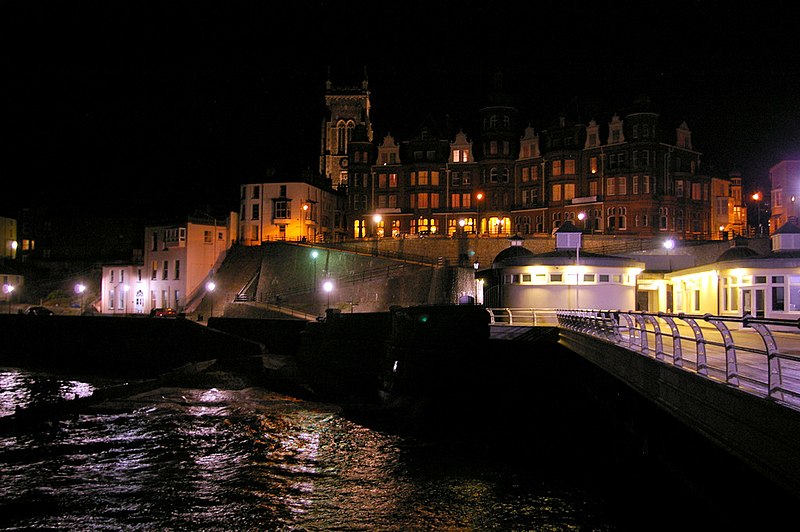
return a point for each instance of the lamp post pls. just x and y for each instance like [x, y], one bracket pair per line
[314, 255]
[478, 198]
[210, 286]
[668, 245]
[327, 286]
[7, 290]
[80, 288]
[305, 222]
[757, 199]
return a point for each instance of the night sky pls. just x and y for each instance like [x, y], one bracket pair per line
[142, 108]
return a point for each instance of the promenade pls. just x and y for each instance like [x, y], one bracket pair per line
[736, 381]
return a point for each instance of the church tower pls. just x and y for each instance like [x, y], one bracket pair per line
[345, 108]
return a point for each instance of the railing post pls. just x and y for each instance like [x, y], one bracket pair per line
[774, 374]
[642, 328]
[631, 328]
[677, 353]
[700, 345]
[731, 370]
[659, 345]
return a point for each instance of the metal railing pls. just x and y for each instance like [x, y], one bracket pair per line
[757, 355]
[533, 317]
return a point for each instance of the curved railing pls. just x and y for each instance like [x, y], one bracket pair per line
[758, 355]
[534, 317]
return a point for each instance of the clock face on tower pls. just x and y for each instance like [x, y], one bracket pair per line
[343, 162]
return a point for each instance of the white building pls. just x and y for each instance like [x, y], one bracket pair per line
[566, 278]
[742, 281]
[301, 211]
[178, 261]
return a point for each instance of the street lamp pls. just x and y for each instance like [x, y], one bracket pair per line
[304, 228]
[7, 290]
[668, 245]
[478, 197]
[376, 219]
[210, 286]
[757, 199]
[314, 255]
[80, 288]
[582, 218]
[327, 286]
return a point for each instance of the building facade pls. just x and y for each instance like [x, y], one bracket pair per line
[742, 281]
[300, 210]
[564, 278]
[178, 261]
[634, 176]
[784, 180]
[347, 107]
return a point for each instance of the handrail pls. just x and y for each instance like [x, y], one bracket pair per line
[735, 358]
[742, 352]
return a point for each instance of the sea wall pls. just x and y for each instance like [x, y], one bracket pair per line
[134, 347]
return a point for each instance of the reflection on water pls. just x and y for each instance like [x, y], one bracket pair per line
[252, 459]
[214, 459]
[25, 389]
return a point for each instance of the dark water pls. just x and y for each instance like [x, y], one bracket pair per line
[252, 459]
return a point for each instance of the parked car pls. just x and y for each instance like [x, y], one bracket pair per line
[38, 311]
[166, 312]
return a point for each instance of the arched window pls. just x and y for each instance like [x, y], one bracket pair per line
[344, 133]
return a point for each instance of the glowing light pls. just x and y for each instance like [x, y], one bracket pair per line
[377, 218]
[581, 215]
[327, 286]
[80, 288]
[669, 244]
[314, 254]
[210, 286]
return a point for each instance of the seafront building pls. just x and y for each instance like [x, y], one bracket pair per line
[630, 174]
[742, 281]
[564, 278]
[179, 262]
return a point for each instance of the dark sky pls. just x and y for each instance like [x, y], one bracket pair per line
[126, 107]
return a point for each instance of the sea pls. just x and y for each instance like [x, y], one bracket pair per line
[229, 457]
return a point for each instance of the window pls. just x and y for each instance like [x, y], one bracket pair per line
[777, 298]
[256, 192]
[610, 189]
[281, 209]
[569, 191]
[622, 186]
[177, 269]
[593, 165]
[556, 277]
[556, 168]
[255, 212]
[556, 194]
[165, 271]
[569, 166]
[392, 180]
[526, 174]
